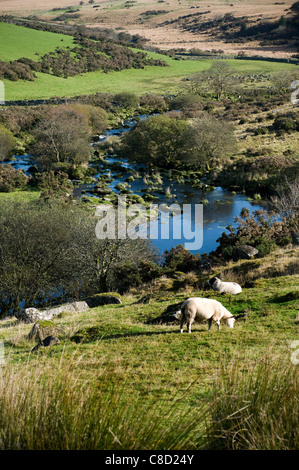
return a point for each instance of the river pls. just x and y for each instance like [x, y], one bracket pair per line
[219, 209]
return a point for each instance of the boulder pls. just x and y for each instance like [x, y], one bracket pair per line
[43, 328]
[244, 252]
[98, 300]
[32, 315]
[170, 315]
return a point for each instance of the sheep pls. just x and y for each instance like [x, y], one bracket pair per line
[225, 287]
[200, 309]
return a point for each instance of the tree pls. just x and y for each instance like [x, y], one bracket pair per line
[62, 136]
[7, 143]
[286, 201]
[218, 80]
[153, 103]
[212, 140]
[11, 179]
[97, 117]
[159, 141]
[49, 253]
[126, 100]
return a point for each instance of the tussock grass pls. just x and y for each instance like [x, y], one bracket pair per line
[43, 408]
[257, 405]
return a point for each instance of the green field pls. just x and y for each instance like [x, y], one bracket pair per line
[20, 41]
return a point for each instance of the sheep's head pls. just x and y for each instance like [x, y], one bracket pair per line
[230, 322]
[213, 280]
[177, 314]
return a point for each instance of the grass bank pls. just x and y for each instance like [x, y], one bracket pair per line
[19, 41]
[117, 382]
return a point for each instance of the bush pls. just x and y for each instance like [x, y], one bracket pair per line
[11, 179]
[263, 230]
[265, 246]
[183, 280]
[180, 259]
[286, 123]
[126, 100]
[7, 143]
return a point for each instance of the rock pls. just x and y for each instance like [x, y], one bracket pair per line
[244, 252]
[32, 315]
[43, 328]
[48, 341]
[144, 300]
[98, 300]
[73, 307]
[170, 315]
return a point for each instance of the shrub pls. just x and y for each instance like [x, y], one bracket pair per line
[265, 246]
[286, 123]
[7, 143]
[183, 280]
[11, 179]
[126, 100]
[180, 259]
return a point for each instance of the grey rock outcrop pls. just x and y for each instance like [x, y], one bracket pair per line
[43, 328]
[32, 315]
[98, 300]
[244, 252]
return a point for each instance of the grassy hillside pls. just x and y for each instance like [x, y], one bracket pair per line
[25, 42]
[147, 386]
[18, 41]
[151, 79]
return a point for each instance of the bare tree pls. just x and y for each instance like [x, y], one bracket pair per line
[62, 136]
[219, 80]
[286, 202]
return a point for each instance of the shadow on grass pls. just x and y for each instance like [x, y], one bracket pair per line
[92, 334]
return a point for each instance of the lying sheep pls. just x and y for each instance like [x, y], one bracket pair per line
[225, 287]
[200, 309]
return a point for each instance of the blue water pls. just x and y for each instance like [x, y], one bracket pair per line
[220, 211]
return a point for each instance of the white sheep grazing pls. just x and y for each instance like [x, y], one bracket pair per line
[200, 309]
[225, 287]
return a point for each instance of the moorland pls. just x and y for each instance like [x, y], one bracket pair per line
[211, 107]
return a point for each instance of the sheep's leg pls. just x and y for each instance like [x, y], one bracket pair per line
[189, 323]
[218, 324]
[210, 323]
[181, 325]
